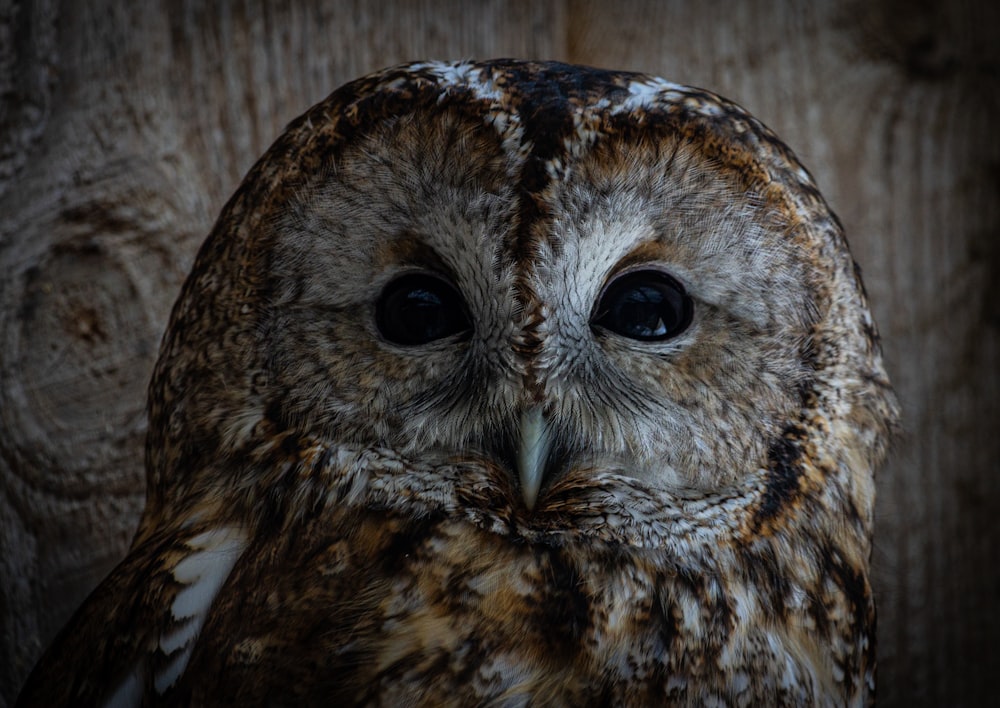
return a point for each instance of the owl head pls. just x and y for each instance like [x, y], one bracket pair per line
[558, 272]
[505, 382]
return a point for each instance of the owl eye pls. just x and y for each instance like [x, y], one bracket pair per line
[418, 308]
[647, 305]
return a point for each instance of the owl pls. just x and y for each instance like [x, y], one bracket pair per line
[505, 383]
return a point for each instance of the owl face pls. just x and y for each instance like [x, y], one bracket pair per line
[645, 312]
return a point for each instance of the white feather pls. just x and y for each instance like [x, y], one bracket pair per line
[203, 572]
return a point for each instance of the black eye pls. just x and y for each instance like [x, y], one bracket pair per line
[418, 308]
[647, 305]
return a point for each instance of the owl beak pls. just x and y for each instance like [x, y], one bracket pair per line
[532, 453]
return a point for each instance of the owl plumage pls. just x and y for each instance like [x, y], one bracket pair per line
[505, 383]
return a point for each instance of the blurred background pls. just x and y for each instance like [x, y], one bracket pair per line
[125, 126]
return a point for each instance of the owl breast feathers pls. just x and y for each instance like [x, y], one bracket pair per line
[505, 383]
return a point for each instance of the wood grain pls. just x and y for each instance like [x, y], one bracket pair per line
[125, 126]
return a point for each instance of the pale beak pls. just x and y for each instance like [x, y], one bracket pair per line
[532, 453]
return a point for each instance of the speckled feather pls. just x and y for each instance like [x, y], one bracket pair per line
[331, 519]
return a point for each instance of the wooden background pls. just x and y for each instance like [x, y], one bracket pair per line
[124, 126]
